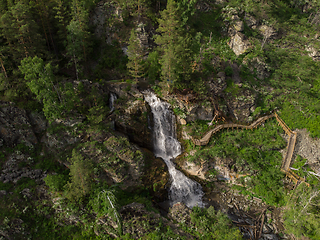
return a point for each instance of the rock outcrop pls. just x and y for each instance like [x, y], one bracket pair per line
[15, 127]
[218, 85]
[313, 52]
[239, 43]
[11, 172]
[242, 105]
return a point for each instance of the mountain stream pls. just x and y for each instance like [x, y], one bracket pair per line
[166, 146]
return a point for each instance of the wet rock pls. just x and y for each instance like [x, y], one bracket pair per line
[135, 123]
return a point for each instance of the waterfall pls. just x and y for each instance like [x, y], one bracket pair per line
[167, 147]
[112, 98]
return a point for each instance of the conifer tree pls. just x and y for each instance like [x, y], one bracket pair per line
[21, 32]
[78, 35]
[172, 44]
[135, 54]
[80, 177]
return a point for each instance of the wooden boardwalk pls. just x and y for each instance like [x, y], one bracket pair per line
[206, 138]
[285, 167]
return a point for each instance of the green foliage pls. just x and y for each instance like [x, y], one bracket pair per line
[254, 152]
[153, 67]
[213, 225]
[40, 80]
[78, 36]
[301, 214]
[112, 57]
[105, 204]
[56, 182]
[135, 55]
[80, 177]
[173, 45]
[57, 100]
[228, 70]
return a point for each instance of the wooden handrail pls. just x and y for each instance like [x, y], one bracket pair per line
[285, 167]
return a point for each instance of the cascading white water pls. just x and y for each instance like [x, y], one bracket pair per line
[112, 98]
[167, 147]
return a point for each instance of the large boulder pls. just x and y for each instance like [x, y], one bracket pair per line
[38, 121]
[239, 44]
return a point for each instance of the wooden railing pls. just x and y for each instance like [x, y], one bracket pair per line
[285, 167]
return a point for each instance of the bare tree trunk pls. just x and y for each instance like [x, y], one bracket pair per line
[4, 70]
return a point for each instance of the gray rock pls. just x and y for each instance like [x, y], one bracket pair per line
[258, 66]
[180, 212]
[269, 236]
[3, 193]
[15, 126]
[242, 105]
[239, 44]
[37, 173]
[38, 121]
[267, 32]
[218, 85]
[250, 21]
[313, 52]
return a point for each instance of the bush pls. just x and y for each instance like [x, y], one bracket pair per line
[56, 182]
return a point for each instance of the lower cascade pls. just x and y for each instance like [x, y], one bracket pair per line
[166, 146]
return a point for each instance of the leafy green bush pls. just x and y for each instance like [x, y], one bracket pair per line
[56, 182]
[210, 224]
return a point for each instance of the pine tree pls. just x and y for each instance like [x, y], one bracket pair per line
[135, 54]
[172, 44]
[80, 177]
[78, 35]
[21, 32]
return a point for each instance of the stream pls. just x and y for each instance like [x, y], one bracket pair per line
[167, 147]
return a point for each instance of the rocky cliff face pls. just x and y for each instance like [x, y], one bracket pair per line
[15, 126]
